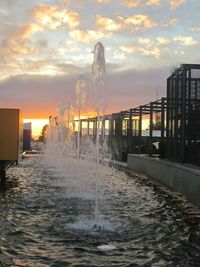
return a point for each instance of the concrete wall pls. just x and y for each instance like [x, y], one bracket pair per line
[183, 179]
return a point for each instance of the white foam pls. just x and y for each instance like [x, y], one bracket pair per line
[106, 247]
[92, 225]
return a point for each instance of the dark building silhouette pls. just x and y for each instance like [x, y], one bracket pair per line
[183, 114]
[27, 135]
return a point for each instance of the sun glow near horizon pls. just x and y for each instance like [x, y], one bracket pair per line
[37, 125]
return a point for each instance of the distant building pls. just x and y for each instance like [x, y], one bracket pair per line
[27, 136]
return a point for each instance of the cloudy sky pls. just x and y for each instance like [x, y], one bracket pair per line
[46, 45]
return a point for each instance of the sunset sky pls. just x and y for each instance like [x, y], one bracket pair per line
[46, 45]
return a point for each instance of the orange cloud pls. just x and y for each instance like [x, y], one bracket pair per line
[53, 17]
[135, 21]
[12, 49]
[127, 49]
[162, 41]
[108, 24]
[140, 20]
[153, 2]
[170, 22]
[155, 52]
[173, 21]
[104, 1]
[145, 41]
[137, 3]
[146, 47]
[85, 36]
[131, 3]
[24, 31]
[16, 45]
[176, 3]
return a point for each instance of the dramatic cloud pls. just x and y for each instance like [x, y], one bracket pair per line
[25, 30]
[16, 42]
[53, 17]
[136, 22]
[12, 49]
[45, 45]
[46, 93]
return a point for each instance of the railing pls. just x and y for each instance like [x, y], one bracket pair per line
[132, 131]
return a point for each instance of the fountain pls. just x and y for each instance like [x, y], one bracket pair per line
[81, 93]
[65, 210]
[66, 143]
[98, 71]
[60, 130]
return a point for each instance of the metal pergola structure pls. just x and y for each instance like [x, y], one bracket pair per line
[183, 114]
[124, 130]
[177, 130]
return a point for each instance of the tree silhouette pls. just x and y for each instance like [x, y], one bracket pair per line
[43, 134]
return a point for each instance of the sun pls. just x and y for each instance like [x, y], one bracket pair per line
[37, 125]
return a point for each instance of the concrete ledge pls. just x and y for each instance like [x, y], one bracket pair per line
[184, 179]
[117, 164]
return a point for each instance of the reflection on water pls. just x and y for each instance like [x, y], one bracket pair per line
[44, 223]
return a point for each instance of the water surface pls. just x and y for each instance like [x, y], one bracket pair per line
[47, 219]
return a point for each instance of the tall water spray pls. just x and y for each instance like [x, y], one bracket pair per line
[60, 132]
[82, 177]
[81, 93]
[69, 122]
[98, 73]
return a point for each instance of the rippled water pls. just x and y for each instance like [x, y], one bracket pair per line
[44, 222]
